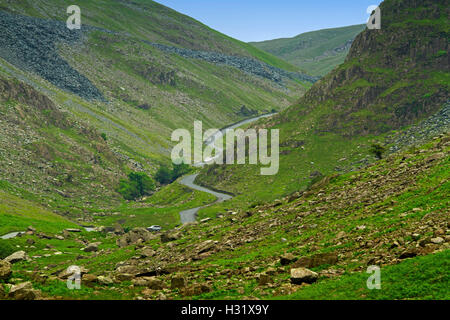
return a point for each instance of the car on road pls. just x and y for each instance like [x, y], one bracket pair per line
[154, 228]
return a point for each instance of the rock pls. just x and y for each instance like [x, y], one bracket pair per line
[104, 280]
[206, 246]
[287, 259]
[303, 275]
[127, 268]
[92, 247]
[17, 257]
[154, 283]
[271, 271]
[30, 241]
[178, 282]
[168, 237]
[5, 270]
[121, 277]
[137, 235]
[89, 278]
[23, 291]
[147, 252]
[411, 253]
[197, 290]
[264, 279]
[30, 228]
[139, 282]
[437, 240]
[316, 260]
[42, 235]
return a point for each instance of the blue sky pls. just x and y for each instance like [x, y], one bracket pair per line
[257, 20]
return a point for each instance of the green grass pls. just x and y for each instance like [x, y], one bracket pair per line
[311, 51]
[17, 214]
[162, 208]
[424, 278]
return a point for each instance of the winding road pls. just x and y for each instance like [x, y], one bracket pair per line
[190, 215]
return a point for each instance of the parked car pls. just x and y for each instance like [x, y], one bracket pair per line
[154, 228]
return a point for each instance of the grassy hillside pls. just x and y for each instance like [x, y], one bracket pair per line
[383, 87]
[115, 95]
[317, 52]
[145, 19]
[17, 214]
[393, 214]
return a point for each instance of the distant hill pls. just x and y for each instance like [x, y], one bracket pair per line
[317, 52]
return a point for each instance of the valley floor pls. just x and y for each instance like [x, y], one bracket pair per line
[392, 214]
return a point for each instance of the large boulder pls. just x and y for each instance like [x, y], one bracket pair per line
[23, 291]
[147, 252]
[89, 279]
[303, 275]
[170, 236]
[5, 270]
[17, 257]
[92, 247]
[135, 236]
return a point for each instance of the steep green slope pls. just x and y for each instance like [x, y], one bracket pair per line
[393, 214]
[317, 52]
[393, 78]
[17, 215]
[64, 163]
[145, 19]
[135, 72]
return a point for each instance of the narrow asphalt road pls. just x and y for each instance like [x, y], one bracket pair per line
[190, 215]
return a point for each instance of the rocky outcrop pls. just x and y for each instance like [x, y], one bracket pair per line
[135, 236]
[245, 64]
[31, 44]
[391, 78]
[421, 132]
[303, 275]
[17, 257]
[5, 270]
[24, 291]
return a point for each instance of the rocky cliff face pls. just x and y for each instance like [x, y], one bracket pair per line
[392, 77]
[45, 152]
